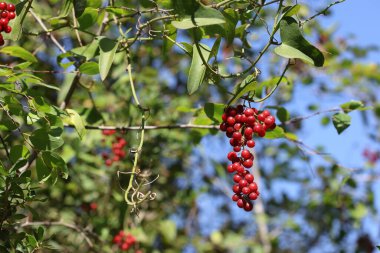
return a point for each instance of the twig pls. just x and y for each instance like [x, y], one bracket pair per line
[137, 128]
[75, 22]
[296, 119]
[49, 34]
[5, 147]
[322, 12]
[60, 223]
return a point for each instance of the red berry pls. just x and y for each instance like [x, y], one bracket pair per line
[237, 126]
[236, 188]
[253, 186]
[230, 169]
[2, 42]
[237, 136]
[266, 113]
[238, 117]
[223, 127]
[93, 206]
[240, 169]
[251, 143]
[248, 163]
[251, 120]
[117, 239]
[246, 154]
[124, 246]
[231, 156]
[240, 203]
[246, 190]
[249, 112]
[249, 178]
[269, 121]
[261, 117]
[8, 29]
[224, 117]
[248, 131]
[243, 183]
[3, 22]
[11, 7]
[253, 196]
[237, 148]
[248, 206]
[232, 112]
[130, 239]
[231, 121]
[243, 119]
[109, 162]
[240, 108]
[237, 178]
[4, 14]
[235, 197]
[3, 6]
[11, 15]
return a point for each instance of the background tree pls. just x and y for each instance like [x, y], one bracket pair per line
[110, 113]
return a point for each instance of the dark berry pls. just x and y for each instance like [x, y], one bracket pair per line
[248, 206]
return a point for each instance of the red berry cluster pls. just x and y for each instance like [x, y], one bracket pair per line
[7, 13]
[89, 207]
[118, 151]
[124, 241]
[240, 124]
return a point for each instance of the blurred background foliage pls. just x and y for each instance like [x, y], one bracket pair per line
[68, 67]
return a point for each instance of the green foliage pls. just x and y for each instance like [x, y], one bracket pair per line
[76, 67]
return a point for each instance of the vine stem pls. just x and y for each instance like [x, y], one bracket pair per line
[136, 128]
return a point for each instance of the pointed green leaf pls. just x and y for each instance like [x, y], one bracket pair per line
[76, 120]
[44, 140]
[276, 133]
[108, 49]
[19, 52]
[18, 152]
[197, 68]
[204, 16]
[88, 18]
[341, 122]
[294, 45]
[89, 68]
[247, 85]
[79, 7]
[351, 106]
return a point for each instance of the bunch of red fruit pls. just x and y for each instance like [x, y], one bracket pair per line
[124, 241]
[118, 151]
[7, 13]
[241, 124]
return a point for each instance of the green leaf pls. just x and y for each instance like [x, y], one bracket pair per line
[44, 140]
[294, 45]
[247, 85]
[378, 247]
[341, 122]
[18, 152]
[79, 7]
[89, 68]
[76, 120]
[232, 19]
[197, 68]
[351, 106]
[215, 47]
[66, 8]
[108, 49]
[359, 211]
[19, 52]
[276, 133]
[283, 114]
[48, 165]
[88, 18]
[214, 111]
[204, 16]
[169, 230]
[289, 11]
[88, 51]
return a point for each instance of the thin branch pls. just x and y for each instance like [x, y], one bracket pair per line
[60, 223]
[138, 128]
[49, 34]
[297, 119]
[5, 147]
[322, 11]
